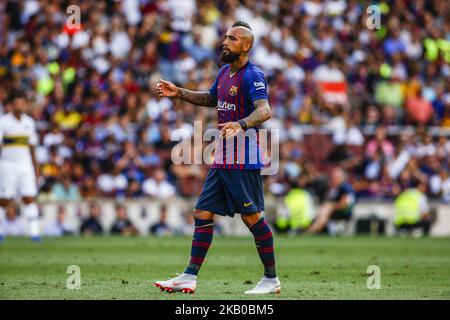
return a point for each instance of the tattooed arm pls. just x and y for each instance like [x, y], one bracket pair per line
[198, 98]
[259, 115]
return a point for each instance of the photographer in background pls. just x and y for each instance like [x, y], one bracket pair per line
[339, 203]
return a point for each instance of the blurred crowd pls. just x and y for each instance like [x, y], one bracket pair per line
[371, 96]
[91, 223]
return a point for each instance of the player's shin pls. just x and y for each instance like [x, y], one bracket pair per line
[264, 244]
[2, 218]
[201, 242]
[31, 212]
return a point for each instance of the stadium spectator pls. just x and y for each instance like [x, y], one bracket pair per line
[67, 118]
[218, 228]
[92, 225]
[134, 190]
[66, 190]
[348, 133]
[158, 187]
[13, 224]
[45, 193]
[187, 228]
[161, 228]
[412, 210]
[96, 110]
[53, 137]
[123, 225]
[440, 184]
[419, 109]
[299, 213]
[88, 188]
[380, 144]
[339, 203]
[59, 227]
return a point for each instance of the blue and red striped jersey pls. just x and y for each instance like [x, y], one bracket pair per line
[236, 95]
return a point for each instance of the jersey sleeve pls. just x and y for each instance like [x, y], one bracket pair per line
[256, 86]
[213, 90]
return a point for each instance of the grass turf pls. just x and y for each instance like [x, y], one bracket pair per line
[309, 268]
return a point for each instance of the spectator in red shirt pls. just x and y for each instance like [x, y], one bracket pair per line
[419, 110]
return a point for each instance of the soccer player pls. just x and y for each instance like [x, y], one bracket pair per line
[234, 183]
[18, 169]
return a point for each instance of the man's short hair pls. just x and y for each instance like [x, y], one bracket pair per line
[17, 94]
[415, 183]
[242, 24]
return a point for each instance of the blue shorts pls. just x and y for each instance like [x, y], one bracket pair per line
[227, 192]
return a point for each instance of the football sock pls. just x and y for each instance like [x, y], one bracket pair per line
[32, 214]
[264, 244]
[203, 235]
[2, 218]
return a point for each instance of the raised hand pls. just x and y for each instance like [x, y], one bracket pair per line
[166, 89]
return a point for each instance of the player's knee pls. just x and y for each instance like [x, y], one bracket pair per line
[28, 200]
[203, 215]
[5, 202]
[251, 219]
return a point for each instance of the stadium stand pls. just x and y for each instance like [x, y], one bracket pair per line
[377, 102]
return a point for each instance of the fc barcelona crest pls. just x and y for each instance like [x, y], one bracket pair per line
[233, 91]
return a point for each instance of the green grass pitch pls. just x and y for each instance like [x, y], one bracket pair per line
[309, 268]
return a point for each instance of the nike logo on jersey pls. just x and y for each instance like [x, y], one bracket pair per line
[247, 204]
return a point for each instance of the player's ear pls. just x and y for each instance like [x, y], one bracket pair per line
[246, 47]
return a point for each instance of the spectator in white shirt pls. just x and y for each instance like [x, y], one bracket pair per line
[59, 227]
[53, 137]
[329, 72]
[348, 133]
[158, 186]
[440, 185]
[13, 224]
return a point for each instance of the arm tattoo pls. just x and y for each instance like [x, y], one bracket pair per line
[259, 115]
[199, 98]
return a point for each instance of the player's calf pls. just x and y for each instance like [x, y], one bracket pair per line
[4, 203]
[31, 212]
[264, 243]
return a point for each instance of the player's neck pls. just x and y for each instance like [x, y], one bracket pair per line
[17, 115]
[238, 64]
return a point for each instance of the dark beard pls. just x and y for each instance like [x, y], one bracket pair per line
[229, 57]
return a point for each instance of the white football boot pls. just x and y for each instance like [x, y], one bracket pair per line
[185, 283]
[266, 286]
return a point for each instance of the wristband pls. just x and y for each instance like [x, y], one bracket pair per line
[243, 124]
